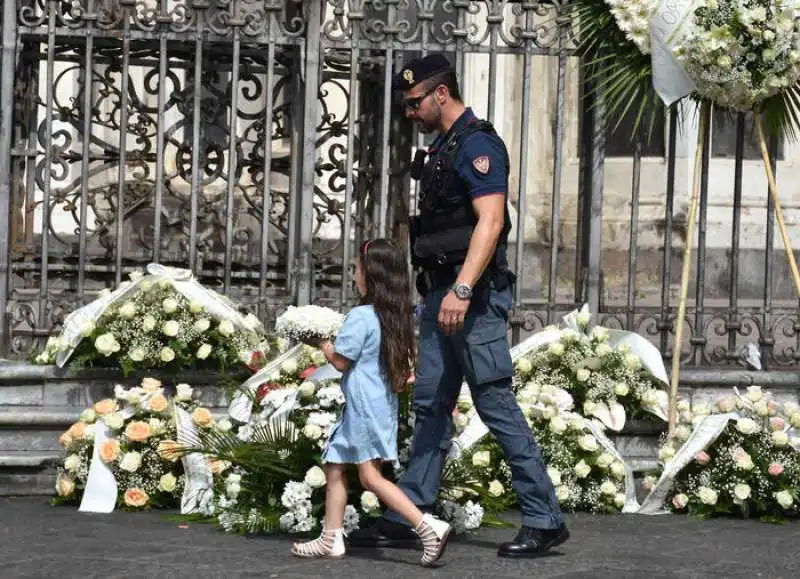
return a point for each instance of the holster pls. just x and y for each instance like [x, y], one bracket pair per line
[448, 247]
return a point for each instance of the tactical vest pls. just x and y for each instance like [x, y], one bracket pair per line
[441, 233]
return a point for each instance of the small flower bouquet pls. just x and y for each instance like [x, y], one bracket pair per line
[141, 448]
[606, 381]
[309, 323]
[158, 322]
[749, 465]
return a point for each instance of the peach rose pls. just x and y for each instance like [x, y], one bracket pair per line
[777, 423]
[702, 457]
[776, 469]
[158, 403]
[64, 486]
[106, 406]
[109, 451]
[77, 430]
[65, 440]
[218, 466]
[150, 384]
[167, 450]
[138, 431]
[202, 417]
[136, 497]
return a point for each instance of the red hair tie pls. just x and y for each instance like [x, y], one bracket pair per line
[366, 246]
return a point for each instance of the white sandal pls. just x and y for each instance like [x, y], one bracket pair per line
[330, 544]
[434, 534]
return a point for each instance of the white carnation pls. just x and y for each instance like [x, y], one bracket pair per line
[369, 501]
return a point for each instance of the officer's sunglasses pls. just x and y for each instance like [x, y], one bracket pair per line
[415, 102]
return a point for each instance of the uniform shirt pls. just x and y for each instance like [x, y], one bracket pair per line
[480, 162]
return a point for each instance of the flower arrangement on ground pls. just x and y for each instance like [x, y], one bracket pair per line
[140, 448]
[157, 322]
[751, 467]
[586, 471]
[606, 381]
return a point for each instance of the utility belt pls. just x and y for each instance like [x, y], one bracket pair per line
[497, 277]
[441, 249]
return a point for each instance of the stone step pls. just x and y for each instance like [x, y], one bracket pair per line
[28, 472]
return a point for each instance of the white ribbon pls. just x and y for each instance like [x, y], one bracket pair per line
[181, 279]
[198, 490]
[667, 26]
[241, 407]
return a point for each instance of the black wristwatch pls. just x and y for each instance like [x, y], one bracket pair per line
[462, 291]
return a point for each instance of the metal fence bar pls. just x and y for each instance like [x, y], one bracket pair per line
[198, 151]
[7, 66]
[633, 247]
[312, 74]
[233, 165]
[733, 325]
[123, 142]
[266, 203]
[163, 57]
[88, 87]
[767, 340]
[697, 339]
[664, 323]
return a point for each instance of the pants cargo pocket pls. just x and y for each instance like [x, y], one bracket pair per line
[488, 354]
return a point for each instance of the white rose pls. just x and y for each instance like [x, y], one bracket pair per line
[780, 439]
[148, 323]
[113, 421]
[171, 328]
[137, 355]
[684, 406]
[289, 367]
[604, 460]
[128, 310]
[746, 426]
[131, 461]
[794, 419]
[608, 488]
[524, 366]
[618, 470]
[183, 392]
[481, 458]
[632, 361]
[312, 431]
[146, 285]
[201, 325]
[584, 318]
[156, 426]
[72, 462]
[583, 375]
[252, 322]
[224, 425]
[315, 477]
[233, 490]
[599, 333]
[575, 424]
[496, 488]
[369, 501]
[741, 492]
[166, 354]
[582, 469]
[621, 389]
[562, 493]
[195, 307]
[549, 412]
[619, 500]
[754, 393]
[555, 475]
[203, 352]
[784, 499]
[603, 350]
[307, 389]
[225, 328]
[167, 483]
[169, 305]
[588, 443]
[87, 329]
[707, 496]
[666, 453]
[557, 425]
[106, 344]
[556, 348]
[88, 416]
[762, 409]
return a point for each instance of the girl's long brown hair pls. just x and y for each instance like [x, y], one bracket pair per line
[389, 293]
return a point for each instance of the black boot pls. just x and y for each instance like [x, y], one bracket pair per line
[384, 533]
[530, 542]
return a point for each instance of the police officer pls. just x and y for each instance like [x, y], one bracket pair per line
[459, 249]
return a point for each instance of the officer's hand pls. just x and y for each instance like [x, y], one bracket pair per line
[452, 313]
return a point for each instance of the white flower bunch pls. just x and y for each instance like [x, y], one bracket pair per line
[633, 18]
[740, 52]
[466, 517]
[751, 469]
[309, 322]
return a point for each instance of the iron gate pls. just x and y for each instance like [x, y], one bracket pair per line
[237, 139]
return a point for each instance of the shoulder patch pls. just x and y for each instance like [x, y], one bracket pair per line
[481, 164]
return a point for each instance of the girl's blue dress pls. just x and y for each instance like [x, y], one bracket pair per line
[367, 429]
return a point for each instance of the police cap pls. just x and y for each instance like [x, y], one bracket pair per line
[420, 69]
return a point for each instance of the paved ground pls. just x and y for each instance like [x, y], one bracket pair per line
[38, 541]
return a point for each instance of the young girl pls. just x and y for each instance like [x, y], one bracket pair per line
[374, 350]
